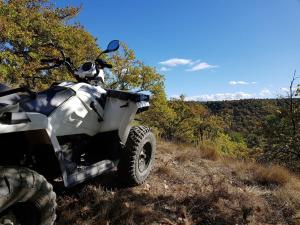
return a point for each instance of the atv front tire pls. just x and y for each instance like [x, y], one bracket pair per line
[26, 198]
[137, 156]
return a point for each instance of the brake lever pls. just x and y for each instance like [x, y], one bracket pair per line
[69, 65]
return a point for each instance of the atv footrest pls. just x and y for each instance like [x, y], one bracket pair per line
[84, 173]
[13, 118]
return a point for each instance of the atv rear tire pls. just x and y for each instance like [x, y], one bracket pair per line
[138, 156]
[26, 198]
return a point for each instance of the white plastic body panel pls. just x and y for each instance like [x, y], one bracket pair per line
[76, 115]
[118, 115]
[73, 117]
[82, 119]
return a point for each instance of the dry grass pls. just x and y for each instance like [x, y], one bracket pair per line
[208, 152]
[185, 153]
[282, 186]
[167, 147]
[184, 189]
[272, 175]
[257, 174]
[289, 195]
[187, 156]
[165, 171]
[194, 154]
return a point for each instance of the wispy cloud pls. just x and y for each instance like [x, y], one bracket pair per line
[240, 82]
[192, 65]
[164, 69]
[195, 62]
[201, 66]
[176, 62]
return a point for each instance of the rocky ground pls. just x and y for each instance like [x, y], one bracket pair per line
[188, 186]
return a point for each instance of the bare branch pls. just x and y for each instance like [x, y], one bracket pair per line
[291, 98]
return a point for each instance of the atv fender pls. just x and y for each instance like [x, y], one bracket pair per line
[128, 117]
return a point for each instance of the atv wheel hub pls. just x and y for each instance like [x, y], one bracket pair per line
[145, 157]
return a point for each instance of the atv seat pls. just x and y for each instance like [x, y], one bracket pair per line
[47, 101]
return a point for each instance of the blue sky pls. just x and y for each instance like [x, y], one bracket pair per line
[207, 49]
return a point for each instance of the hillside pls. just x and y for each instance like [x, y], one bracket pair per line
[246, 116]
[188, 186]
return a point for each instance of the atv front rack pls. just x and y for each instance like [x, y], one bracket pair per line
[125, 95]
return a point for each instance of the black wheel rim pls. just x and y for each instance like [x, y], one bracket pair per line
[145, 157]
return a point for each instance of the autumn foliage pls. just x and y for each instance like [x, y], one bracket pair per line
[31, 30]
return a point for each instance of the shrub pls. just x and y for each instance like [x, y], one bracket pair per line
[257, 174]
[209, 152]
[224, 146]
[271, 175]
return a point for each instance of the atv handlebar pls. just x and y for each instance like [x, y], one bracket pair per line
[57, 63]
[53, 63]
[103, 64]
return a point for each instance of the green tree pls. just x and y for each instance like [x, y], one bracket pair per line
[192, 122]
[282, 130]
[129, 73]
[34, 29]
[160, 115]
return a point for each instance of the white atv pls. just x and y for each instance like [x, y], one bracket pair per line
[74, 131]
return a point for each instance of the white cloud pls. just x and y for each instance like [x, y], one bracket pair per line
[164, 69]
[201, 66]
[240, 82]
[176, 62]
[193, 65]
[219, 97]
[265, 93]
[195, 62]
